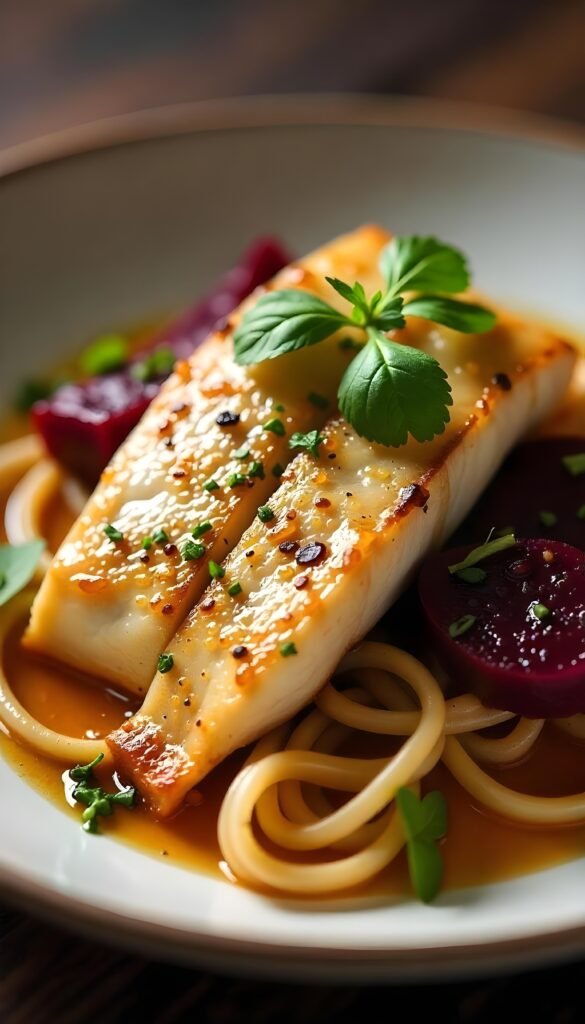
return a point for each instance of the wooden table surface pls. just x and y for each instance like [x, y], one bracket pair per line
[63, 63]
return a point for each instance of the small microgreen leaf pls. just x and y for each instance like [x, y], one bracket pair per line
[105, 355]
[491, 547]
[425, 823]
[310, 441]
[17, 567]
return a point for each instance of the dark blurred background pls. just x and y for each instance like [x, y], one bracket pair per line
[65, 62]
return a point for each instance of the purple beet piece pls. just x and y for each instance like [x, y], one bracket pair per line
[83, 424]
[522, 646]
[534, 494]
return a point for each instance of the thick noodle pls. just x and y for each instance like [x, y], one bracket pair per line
[279, 807]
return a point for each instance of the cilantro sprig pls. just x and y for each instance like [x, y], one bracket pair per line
[425, 823]
[17, 567]
[389, 390]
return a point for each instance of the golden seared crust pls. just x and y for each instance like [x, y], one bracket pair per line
[347, 533]
[110, 608]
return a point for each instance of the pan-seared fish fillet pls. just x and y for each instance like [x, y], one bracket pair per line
[110, 607]
[359, 519]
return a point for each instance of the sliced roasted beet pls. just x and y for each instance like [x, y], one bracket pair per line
[517, 637]
[534, 494]
[83, 424]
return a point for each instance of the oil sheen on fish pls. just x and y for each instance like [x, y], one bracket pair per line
[200, 457]
[348, 531]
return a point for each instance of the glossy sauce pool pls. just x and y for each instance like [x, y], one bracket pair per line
[478, 849]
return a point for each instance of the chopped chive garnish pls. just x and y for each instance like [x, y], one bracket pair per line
[236, 480]
[147, 543]
[575, 464]
[547, 518]
[113, 534]
[491, 547]
[319, 401]
[242, 452]
[234, 589]
[540, 611]
[462, 625]
[287, 649]
[211, 485]
[275, 426]
[265, 514]
[192, 551]
[473, 574]
[160, 536]
[256, 469]
[279, 407]
[277, 470]
[165, 663]
[217, 572]
[201, 529]
[105, 355]
[581, 512]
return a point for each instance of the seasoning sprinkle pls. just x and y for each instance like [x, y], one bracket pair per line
[113, 534]
[201, 529]
[165, 663]
[192, 552]
[287, 649]
[160, 536]
[234, 589]
[242, 452]
[540, 611]
[462, 626]
[147, 543]
[211, 485]
[217, 572]
[265, 514]
[275, 426]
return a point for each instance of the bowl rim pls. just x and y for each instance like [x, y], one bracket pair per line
[287, 110]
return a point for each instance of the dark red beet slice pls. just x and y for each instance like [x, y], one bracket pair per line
[512, 658]
[83, 424]
[534, 494]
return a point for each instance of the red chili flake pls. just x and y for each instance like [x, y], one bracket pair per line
[322, 503]
[288, 547]
[227, 418]
[208, 604]
[311, 554]
[145, 557]
[301, 582]
[170, 549]
[291, 514]
[187, 702]
[167, 609]
[502, 381]
[240, 651]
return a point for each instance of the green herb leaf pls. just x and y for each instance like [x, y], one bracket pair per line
[425, 823]
[288, 649]
[147, 543]
[309, 442]
[236, 480]
[355, 294]
[390, 317]
[234, 589]
[390, 391]
[575, 464]
[256, 469]
[284, 321]
[105, 355]
[159, 364]
[265, 514]
[17, 567]
[83, 772]
[412, 263]
[242, 452]
[462, 626]
[192, 551]
[211, 485]
[32, 391]
[491, 547]
[166, 662]
[466, 317]
[217, 572]
[97, 803]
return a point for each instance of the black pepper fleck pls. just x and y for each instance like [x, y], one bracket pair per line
[311, 554]
[227, 418]
[240, 651]
[502, 381]
[288, 547]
